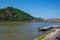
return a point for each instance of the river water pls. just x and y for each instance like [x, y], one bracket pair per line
[24, 31]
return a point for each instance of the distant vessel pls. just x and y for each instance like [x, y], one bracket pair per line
[45, 28]
[49, 27]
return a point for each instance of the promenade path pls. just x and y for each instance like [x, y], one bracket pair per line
[53, 35]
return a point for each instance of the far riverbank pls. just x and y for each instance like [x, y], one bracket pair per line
[12, 22]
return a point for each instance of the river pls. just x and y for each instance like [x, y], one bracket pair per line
[24, 31]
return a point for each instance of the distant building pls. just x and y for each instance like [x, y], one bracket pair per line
[33, 20]
[55, 19]
[45, 20]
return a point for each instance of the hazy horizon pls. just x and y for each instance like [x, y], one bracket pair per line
[36, 8]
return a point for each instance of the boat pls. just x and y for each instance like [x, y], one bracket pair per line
[45, 28]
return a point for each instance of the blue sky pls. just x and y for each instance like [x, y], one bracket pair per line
[36, 8]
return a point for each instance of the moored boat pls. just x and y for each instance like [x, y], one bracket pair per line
[45, 28]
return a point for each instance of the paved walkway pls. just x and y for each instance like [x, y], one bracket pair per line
[53, 35]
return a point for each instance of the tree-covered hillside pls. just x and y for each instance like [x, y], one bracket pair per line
[14, 14]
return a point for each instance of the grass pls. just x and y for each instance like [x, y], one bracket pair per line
[41, 38]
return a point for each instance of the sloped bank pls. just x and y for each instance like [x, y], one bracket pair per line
[41, 38]
[51, 36]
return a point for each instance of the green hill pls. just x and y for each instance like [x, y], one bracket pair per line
[14, 14]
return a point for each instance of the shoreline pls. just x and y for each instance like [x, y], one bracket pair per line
[12, 22]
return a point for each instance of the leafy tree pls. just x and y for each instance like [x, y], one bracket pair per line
[14, 14]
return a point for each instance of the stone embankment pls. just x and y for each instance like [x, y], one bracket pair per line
[53, 35]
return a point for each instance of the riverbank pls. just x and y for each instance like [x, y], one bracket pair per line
[53, 35]
[12, 23]
[41, 38]
[50, 36]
